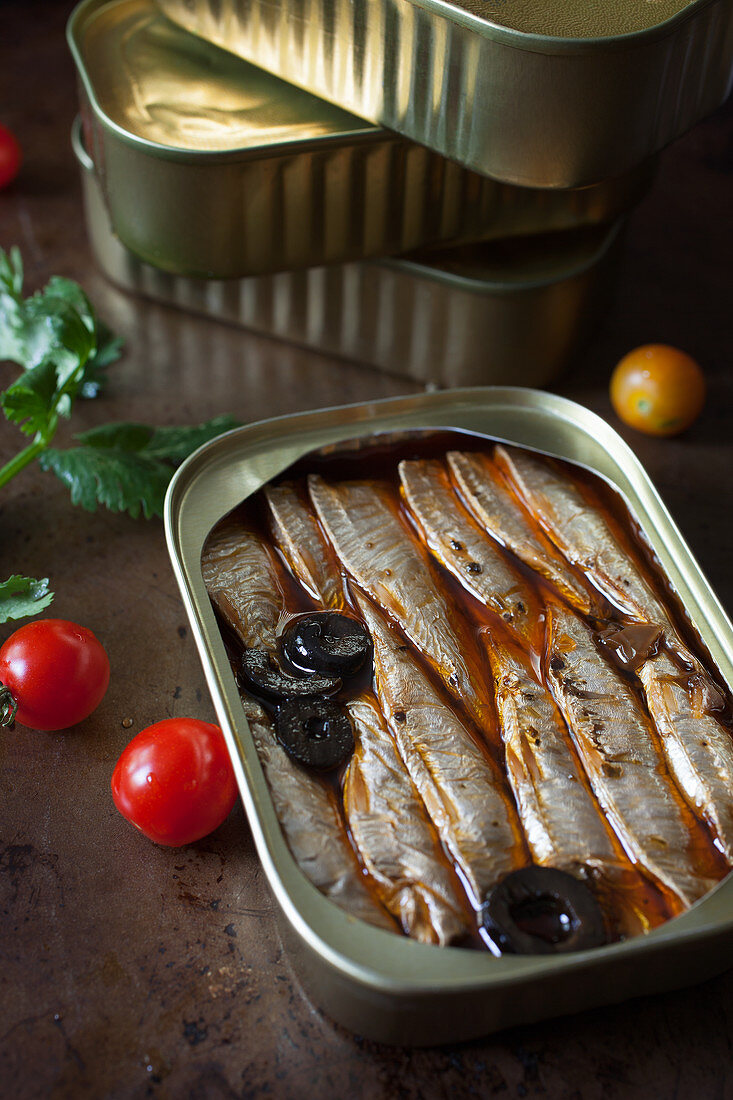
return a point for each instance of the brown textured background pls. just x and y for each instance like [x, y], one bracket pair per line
[128, 970]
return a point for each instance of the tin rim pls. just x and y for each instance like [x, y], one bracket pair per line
[558, 44]
[404, 966]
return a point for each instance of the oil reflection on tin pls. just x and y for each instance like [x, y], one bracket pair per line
[541, 93]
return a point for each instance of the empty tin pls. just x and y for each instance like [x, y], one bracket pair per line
[384, 986]
[508, 312]
[548, 93]
[213, 168]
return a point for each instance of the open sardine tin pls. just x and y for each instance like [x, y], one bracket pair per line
[211, 167]
[542, 93]
[376, 983]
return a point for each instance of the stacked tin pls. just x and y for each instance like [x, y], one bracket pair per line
[429, 188]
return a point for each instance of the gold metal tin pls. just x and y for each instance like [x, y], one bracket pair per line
[214, 168]
[388, 987]
[547, 93]
[457, 321]
[211, 167]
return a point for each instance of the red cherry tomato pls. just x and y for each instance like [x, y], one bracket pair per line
[56, 671]
[10, 156]
[175, 782]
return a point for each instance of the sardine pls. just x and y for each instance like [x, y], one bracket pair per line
[387, 562]
[311, 823]
[698, 749]
[561, 820]
[493, 505]
[582, 533]
[241, 579]
[425, 902]
[463, 549]
[393, 835]
[460, 786]
[389, 825]
[616, 744]
[303, 545]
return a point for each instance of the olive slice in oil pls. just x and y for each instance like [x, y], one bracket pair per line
[259, 673]
[327, 642]
[542, 911]
[315, 732]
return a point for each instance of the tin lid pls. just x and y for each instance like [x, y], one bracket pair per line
[582, 19]
[537, 93]
[164, 86]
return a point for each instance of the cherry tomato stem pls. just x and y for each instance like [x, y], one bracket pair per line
[8, 707]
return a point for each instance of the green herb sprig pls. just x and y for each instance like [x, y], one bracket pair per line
[64, 351]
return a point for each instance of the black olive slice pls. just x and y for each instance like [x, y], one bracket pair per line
[315, 732]
[542, 911]
[328, 642]
[259, 672]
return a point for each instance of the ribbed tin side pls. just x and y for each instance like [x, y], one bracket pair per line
[401, 317]
[297, 208]
[561, 113]
[334, 203]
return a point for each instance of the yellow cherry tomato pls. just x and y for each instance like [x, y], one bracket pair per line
[658, 389]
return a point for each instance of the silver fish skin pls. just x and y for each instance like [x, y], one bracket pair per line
[393, 835]
[698, 749]
[388, 823]
[460, 787]
[501, 515]
[241, 579]
[561, 820]
[312, 826]
[581, 533]
[303, 545]
[465, 550]
[616, 744]
[241, 575]
[385, 560]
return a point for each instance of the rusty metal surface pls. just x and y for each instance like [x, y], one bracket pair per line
[128, 970]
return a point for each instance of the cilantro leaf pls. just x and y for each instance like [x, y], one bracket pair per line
[56, 325]
[26, 401]
[171, 443]
[23, 596]
[45, 327]
[127, 466]
[121, 435]
[174, 443]
[123, 481]
[65, 349]
[60, 344]
[11, 320]
[11, 271]
[108, 351]
[66, 290]
[106, 348]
